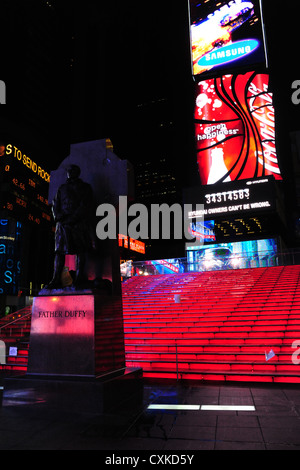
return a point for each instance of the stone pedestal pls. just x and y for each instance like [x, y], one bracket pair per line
[76, 360]
[76, 335]
[117, 395]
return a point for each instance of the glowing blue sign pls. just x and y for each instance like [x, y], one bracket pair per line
[229, 53]
[10, 254]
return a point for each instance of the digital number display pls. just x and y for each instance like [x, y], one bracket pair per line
[24, 187]
[240, 197]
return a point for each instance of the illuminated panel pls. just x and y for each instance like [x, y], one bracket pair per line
[227, 408]
[166, 265]
[225, 34]
[24, 187]
[236, 255]
[235, 129]
[203, 230]
[237, 198]
[16, 155]
[174, 407]
[10, 256]
[131, 243]
[136, 245]
[123, 240]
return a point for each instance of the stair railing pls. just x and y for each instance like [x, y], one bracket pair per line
[176, 349]
[9, 323]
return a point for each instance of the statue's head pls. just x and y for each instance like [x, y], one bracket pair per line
[73, 171]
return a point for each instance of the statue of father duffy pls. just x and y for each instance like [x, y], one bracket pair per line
[73, 212]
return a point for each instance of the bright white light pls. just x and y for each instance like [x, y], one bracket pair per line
[235, 261]
[227, 408]
[174, 407]
[202, 407]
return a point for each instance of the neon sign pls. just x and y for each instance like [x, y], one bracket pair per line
[21, 157]
[131, 243]
[235, 129]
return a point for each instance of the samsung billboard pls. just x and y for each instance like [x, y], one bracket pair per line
[225, 34]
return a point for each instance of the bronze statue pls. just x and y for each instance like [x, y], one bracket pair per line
[73, 212]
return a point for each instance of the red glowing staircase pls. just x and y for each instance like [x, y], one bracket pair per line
[215, 325]
[14, 337]
[204, 326]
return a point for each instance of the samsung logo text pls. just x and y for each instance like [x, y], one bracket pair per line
[229, 53]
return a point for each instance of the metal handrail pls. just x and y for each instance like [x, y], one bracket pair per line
[9, 323]
[236, 261]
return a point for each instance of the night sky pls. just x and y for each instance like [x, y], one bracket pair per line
[122, 55]
[147, 57]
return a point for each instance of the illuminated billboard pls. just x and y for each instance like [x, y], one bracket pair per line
[131, 244]
[226, 34]
[236, 255]
[203, 230]
[235, 129]
[166, 266]
[236, 198]
[24, 187]
[10, 256]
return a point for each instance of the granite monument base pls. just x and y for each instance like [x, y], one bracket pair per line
[76, 335]
[76, 360]
[119, 394]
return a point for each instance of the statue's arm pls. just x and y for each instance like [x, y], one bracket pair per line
[56, 207]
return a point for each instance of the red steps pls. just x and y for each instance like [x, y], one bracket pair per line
[15, 332]
[220, 330]
[19, 362]
[222, 327]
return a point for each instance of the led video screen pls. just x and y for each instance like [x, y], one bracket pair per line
[203, 230]
[225, 34]
[236, 255]
[10, 255]
[167, 266]
[24, 187]
[235, 129]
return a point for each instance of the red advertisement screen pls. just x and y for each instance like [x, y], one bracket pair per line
[235, 129]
